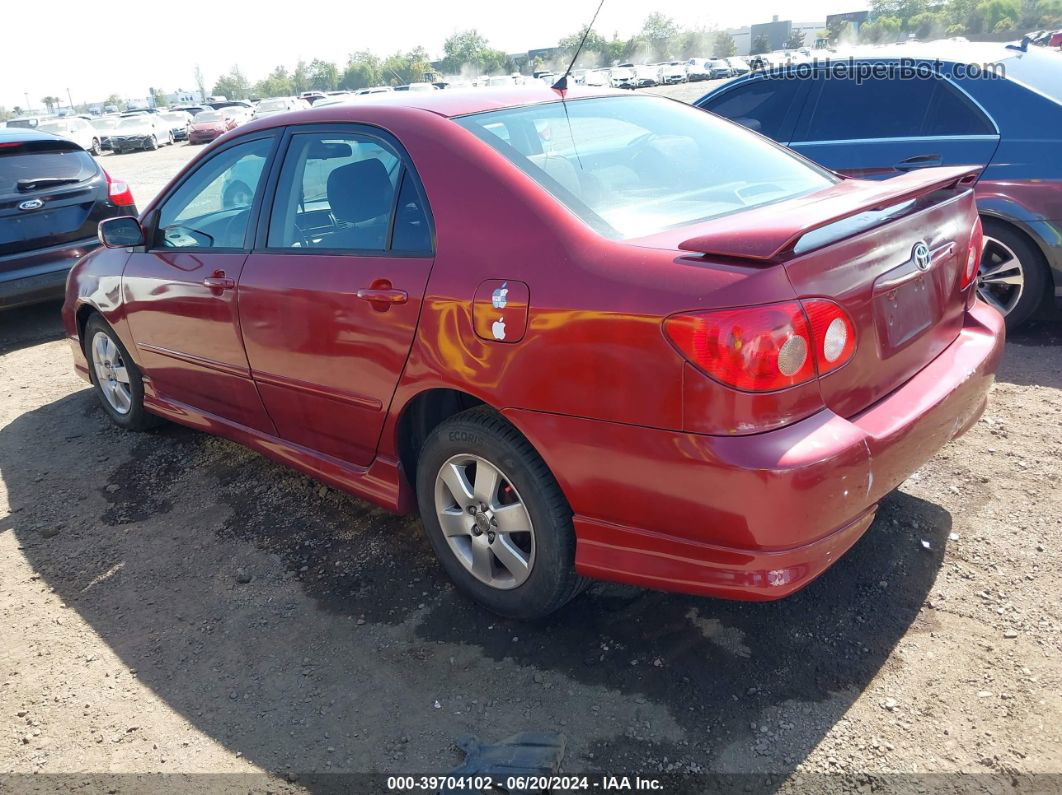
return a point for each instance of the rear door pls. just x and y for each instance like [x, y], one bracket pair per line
[52, 193]
[330, 298]
[881, 126]
[180, 293]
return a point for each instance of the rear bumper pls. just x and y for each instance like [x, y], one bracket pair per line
[756, 517]
[203, 137]
[40, 275]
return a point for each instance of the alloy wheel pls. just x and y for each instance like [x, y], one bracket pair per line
[485, 522]
[1000, 278]
[111, 373]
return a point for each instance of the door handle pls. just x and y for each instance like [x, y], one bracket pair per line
[219, 281]
[383, 296]
[919, 161]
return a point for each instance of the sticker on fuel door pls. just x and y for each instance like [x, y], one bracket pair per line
[499, 310]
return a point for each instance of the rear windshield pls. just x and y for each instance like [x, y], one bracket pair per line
[272, 104]
[634, 166]
[209, 115]
[43, 160]
[134, 122]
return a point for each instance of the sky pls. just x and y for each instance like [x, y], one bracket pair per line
[95, 50]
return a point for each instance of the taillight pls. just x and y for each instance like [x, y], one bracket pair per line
[973, 256]
[758, 349]
[832, 332]
[766, 348]
[118, 192]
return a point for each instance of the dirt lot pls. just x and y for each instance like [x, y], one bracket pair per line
[129, 644]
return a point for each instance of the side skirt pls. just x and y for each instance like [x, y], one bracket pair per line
[381, 482]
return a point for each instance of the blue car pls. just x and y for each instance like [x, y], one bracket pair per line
[884, 111]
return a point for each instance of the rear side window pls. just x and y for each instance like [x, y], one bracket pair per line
[761, 105]
[842, 110]
[35, 166]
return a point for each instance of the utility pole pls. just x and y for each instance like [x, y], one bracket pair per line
[28, 106]
[70, 99]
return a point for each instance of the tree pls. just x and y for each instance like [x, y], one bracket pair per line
[363, 70]
[594, 43]
[723, 45]
[883, 30]
[324, 76]
[277, 84]
[902, 10]
[233, 85]
[464, 49]
[990, 13]
[795, 40]
[113, 99]
[300, 78]
[928, 24]
[200, 83]
[657, 32]
[760, 44]
[50, 102]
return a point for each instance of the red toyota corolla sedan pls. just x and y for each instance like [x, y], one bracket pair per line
[586, 335]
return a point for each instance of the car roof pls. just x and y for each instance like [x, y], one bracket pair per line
[21, 134]
[462, 102]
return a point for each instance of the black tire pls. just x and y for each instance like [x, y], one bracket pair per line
[552, 581]
[96, 148]
[137, 418]
[1033, 267]
[153, 144]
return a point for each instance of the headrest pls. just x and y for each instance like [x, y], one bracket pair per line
[359, 191]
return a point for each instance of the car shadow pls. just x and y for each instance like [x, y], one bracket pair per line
[30, 325]
[313, 633]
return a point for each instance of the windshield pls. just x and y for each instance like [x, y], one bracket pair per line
[133, 123]
[209, 116]
[105, 124]
[633, 166]
[273, 104]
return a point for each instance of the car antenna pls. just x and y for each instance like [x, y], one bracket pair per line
[562, 82]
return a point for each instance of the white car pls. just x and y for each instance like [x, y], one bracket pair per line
[76, 129]
[375, 90]
[422, 87]
[671, 73]
[623, 76]
[140, 131]
[646, 75]
[500, 81]
[275, 105]
[698, 69]
[598, 77]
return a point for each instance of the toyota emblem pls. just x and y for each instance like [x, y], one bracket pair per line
[920, 255]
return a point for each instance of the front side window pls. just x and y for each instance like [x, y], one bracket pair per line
[633, 166]
[336, 192]
[212, 208]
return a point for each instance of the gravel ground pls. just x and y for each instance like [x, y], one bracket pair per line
[170, 602]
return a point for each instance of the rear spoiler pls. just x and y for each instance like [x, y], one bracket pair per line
[766, 232]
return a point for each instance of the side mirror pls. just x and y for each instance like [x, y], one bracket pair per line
[121, 232]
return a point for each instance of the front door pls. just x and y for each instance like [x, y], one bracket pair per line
[180, 292]
[329, 300]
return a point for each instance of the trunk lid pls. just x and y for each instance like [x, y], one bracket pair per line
[904, 316]
[50, 193]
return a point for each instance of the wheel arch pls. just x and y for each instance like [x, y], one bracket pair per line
[1052, 256]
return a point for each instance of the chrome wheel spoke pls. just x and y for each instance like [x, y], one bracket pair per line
[487, 480]
[509, 555]
[1000, 277]
[482, 565]
[512, 518]
[455, 522]
[453, 475]
[121, 375]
